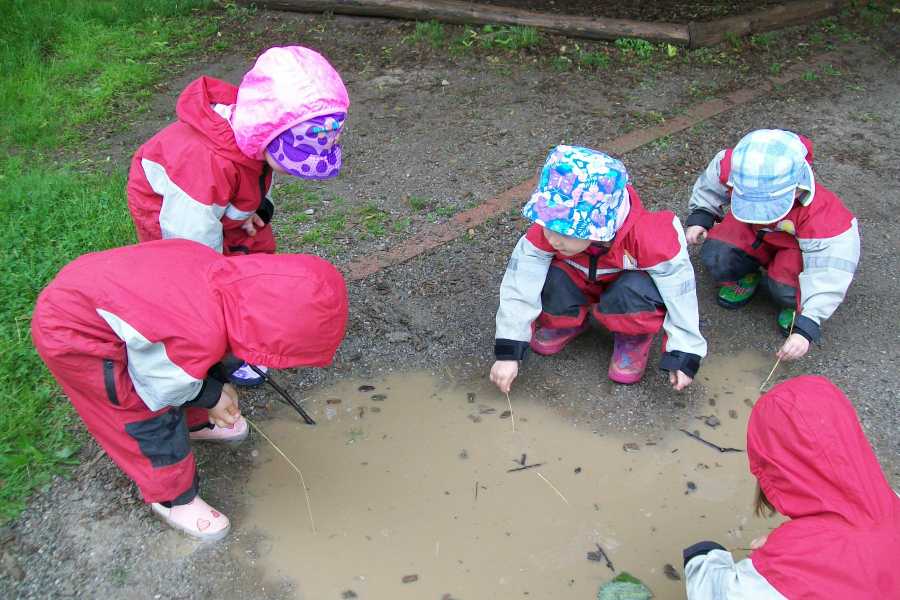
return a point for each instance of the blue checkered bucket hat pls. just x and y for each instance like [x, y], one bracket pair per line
[767, 167]
[581, 193]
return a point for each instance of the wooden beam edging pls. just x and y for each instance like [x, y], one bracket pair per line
[439, 234]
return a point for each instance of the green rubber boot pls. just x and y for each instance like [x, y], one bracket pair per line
[786, 320]
[735, 295]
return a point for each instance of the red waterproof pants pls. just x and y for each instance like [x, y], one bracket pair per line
[735, 249]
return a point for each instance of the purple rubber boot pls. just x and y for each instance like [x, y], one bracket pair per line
[550, 340]
[629, 358]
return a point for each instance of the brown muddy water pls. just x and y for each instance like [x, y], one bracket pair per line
[412, 494]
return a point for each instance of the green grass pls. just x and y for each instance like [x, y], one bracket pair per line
[642, 49]
[67, 66]
[430, 32]
[492, 37]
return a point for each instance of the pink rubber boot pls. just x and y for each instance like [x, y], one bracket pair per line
[629, 359]
[196, 519]
[547, 340]
[235, 434]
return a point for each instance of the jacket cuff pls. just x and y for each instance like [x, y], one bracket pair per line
[702, 218]
[807, 328]
[677, 360]
[209, 394]
[266, 210]
[700, 549]
[510, 349]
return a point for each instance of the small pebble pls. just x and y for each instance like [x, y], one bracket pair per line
[366, 388]
[630, 447]
[505, 414]
[463, 454]
[379, 398]
[349, 595]
[577, 470]
[733, 414]
[713, 421]
[410, 578]
[691, 487]
[333, 401]
[671, 573]
[471, 397]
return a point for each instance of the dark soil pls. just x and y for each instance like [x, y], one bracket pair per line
[666, 11]
[453, 130]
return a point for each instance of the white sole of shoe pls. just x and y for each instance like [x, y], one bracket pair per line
[200, 537]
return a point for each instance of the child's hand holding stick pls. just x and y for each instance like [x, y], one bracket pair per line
[503, 373]
[226, 412]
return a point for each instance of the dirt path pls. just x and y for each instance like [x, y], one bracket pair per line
[431, 134]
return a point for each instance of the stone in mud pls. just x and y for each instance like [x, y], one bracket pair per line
[712, 401]
[366, 388]
[624, 587]
[470, 397]
[691, 487]
[577, 470]
[410, 578]
[348, 595]
[630, 447]
[486, 410]
[733, 414]
[671, 573]
[333, 401]
[712, 421]
[379, 398]
[505, 414]
[748, 402]
[463, 454]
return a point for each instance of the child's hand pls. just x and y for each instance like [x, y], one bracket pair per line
[795, 347]
[251, 225]
[695, 234]
[679, 380]
[503, 373]
[226, 412]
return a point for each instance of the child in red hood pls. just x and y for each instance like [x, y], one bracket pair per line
[135, 336]
[207, 176]
[814, 465]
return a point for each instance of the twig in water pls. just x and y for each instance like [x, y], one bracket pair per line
[293, 466]
[523, 467]
[708, 443]
[600, 555]
[476, 490]
[559, 493]
[775, 366]
[512, 415]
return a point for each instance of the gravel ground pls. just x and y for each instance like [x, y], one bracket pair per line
[456, 130]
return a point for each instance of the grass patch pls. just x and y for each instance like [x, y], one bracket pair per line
[594, 60]
[430, 32]
[636, 47]
[419, 203]
[492, 37]
[65, 65]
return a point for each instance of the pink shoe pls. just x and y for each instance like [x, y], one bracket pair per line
[235, 434]
[196, 519]
[550, 340]
[629, 359]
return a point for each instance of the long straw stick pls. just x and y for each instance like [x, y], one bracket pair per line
[538, 473]
[790, 331]
[512, 415]
[293, 466]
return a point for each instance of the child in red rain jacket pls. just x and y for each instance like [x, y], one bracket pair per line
[207, 176]
[814, 465]
[782, 219]
[134, 336]
[594, 251]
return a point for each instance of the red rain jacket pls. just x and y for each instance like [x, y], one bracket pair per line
[815, 465]
[191, 180]
[174, 308]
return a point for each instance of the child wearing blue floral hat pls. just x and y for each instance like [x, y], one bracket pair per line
[782, 220]
[593, 251]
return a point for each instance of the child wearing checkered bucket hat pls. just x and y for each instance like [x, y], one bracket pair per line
[593, 251]
[782, 220]
[208, 176]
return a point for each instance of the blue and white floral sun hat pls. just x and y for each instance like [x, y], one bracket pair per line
[581, 193]
[767, 167]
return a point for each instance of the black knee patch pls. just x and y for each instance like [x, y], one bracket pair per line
[163, 439]
[784, 295]
[560, 296]
[726, 262]
[632, 292]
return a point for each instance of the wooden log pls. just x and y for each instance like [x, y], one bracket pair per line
[468, 13]
[715, 32]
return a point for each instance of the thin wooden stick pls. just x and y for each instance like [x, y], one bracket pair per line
[293, 466]
[772, 372]
[538, 473]
[511, 413]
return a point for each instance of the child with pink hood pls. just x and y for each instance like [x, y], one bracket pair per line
[207, 177]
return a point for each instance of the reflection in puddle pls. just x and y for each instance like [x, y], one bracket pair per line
[413, 479]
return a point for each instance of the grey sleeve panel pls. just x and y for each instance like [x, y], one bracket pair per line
[828, 268]
[520, 292]
[709, 194]
[674, 279]
[716, 575]
[157, 380]
[182, 216]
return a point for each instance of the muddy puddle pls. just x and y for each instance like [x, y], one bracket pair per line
[414, 495]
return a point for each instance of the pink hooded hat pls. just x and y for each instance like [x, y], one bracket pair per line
[287, 86]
